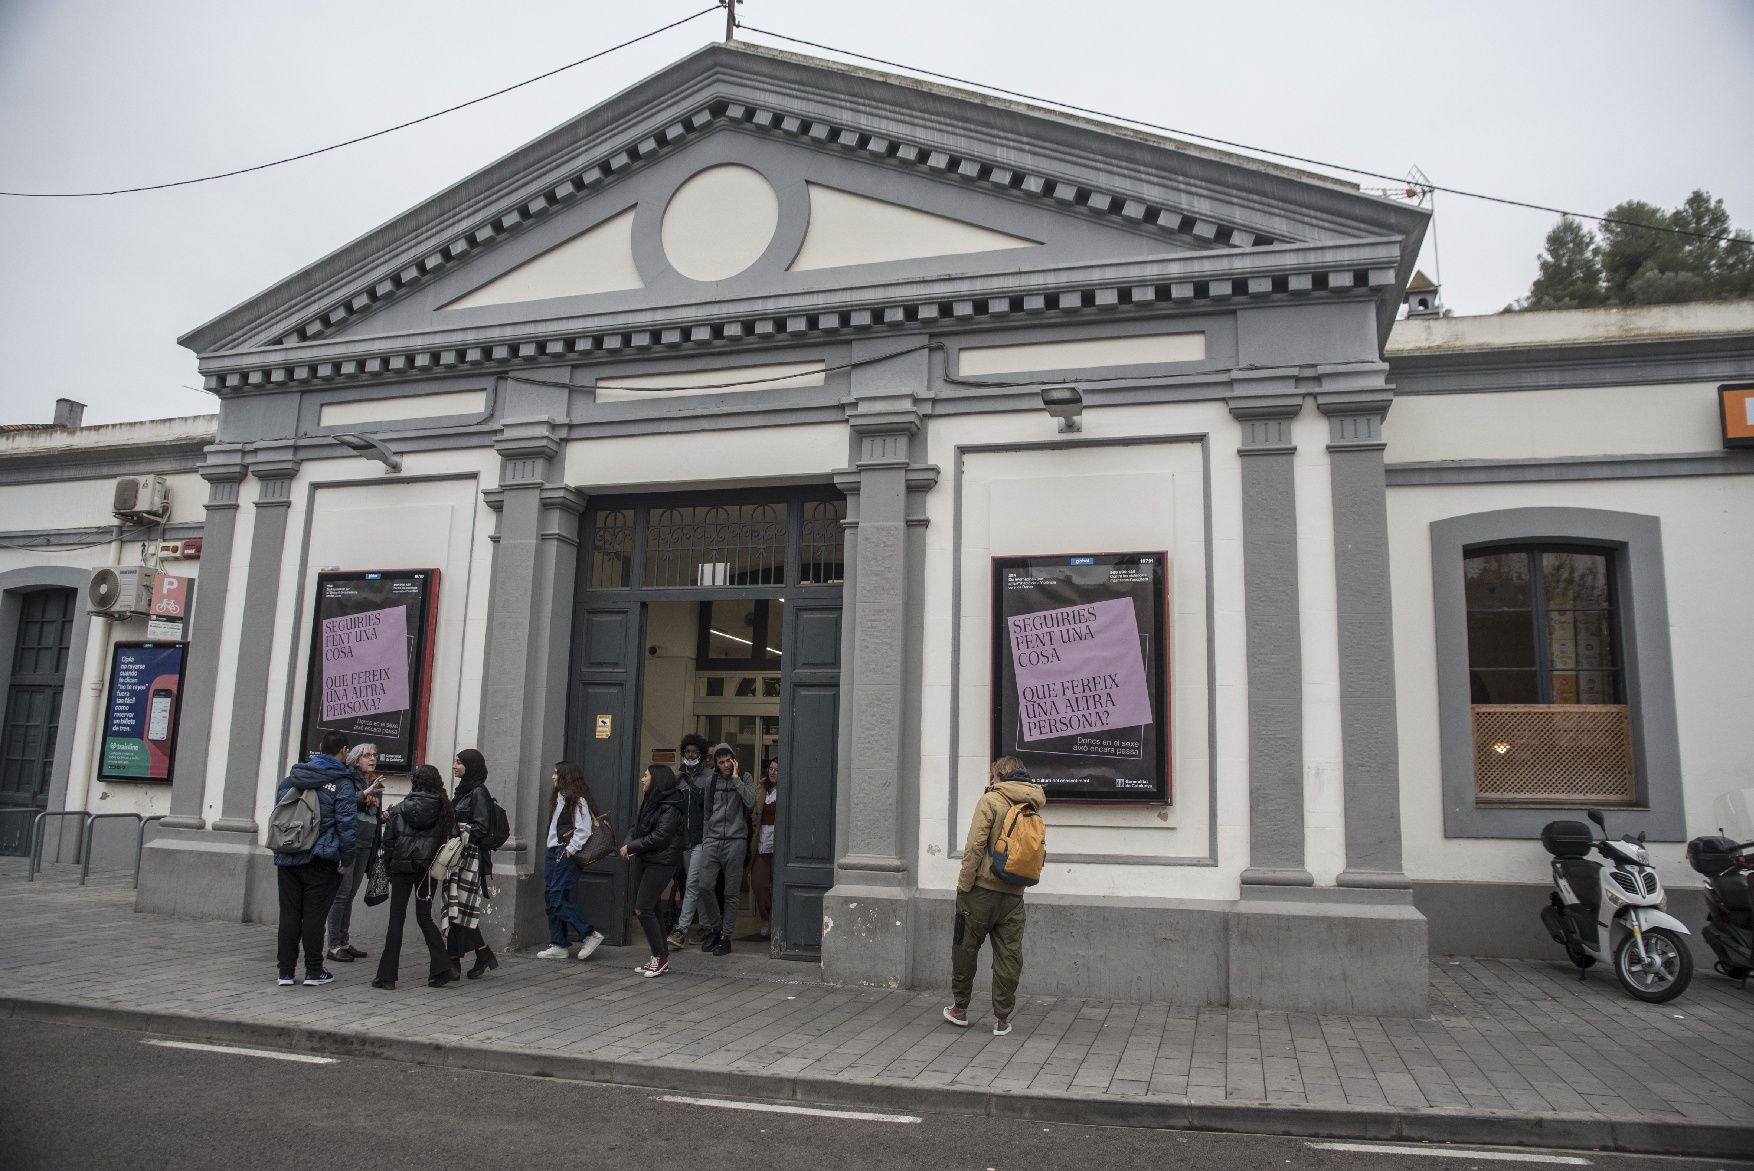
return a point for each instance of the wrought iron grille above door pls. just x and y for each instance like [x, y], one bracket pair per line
[705, 542]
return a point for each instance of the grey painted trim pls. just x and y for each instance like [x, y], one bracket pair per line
[1644, 632]
[1571, 467]
[62, 464]
[953, 831]
[201, 684]
[1370, 749]
[1629, 362]
[1274, 650]
[54, 539]
[249, 685]
[13, 583]
[1098, 170]
[1292, 276]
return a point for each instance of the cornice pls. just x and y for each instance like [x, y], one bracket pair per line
[1154, 286]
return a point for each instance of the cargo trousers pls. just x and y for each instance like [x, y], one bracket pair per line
[980, 914]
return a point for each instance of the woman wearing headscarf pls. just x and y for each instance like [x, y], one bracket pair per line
[413, 832]
[362, 762]
[466, 888]
[655, 848]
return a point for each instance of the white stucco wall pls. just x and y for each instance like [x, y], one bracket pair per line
[347, 515]
[1098, 493]
[1549, 424]
[1708, 563]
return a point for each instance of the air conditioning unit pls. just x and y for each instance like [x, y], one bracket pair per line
[142, 498]
[119, 592]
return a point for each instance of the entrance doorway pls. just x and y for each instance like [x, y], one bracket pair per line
[30, 726]
[718, 616]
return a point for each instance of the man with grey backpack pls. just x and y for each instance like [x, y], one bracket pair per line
[311, 832]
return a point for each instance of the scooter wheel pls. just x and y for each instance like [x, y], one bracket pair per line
[1667, 974]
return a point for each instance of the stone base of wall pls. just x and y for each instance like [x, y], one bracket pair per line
[202, 875]
[1504, 918]
[1304, 956]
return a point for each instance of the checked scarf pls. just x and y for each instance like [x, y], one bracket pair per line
[465, 892]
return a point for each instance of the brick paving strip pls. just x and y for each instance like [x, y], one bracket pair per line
[1515, 1053]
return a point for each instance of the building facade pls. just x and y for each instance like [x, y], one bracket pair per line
[713, 409]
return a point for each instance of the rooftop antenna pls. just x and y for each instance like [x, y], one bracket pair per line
[730, 7]
[1418, 181]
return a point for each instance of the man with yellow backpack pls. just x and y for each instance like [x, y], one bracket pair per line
[1003, 857]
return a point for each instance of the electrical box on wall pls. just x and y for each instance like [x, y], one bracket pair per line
[119, 592]
[145, 498]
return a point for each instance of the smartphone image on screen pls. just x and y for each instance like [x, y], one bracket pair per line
[158, 722]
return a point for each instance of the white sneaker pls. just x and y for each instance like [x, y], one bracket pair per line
[592, 942]
[552, 952]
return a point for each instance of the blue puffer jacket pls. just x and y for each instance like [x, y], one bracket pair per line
[337, 800]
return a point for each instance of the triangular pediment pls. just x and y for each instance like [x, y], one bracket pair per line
[745, 175]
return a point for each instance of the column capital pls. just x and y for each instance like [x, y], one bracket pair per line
[530, 451]
[1355, 418]
[1266, 422]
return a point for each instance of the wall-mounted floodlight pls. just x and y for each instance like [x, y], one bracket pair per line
[370, 448]
[1065, 404]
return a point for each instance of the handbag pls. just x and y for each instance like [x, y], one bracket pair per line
[444, 863]
[599, 845]
[377, 881]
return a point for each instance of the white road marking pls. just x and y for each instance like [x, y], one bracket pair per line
[1448, 1153]
[775, 1108]
[239, 1052]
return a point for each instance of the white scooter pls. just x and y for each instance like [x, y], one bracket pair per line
[1614, 910]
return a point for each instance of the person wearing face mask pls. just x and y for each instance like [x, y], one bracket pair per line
[692, 780]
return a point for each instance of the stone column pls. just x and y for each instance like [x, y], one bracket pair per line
[1275, 655]
[224, 472]
[1367, 658]
[249, 685]
[529, 640]
[867, 916]
[225, 874]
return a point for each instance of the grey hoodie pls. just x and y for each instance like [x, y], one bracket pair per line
[728, 802]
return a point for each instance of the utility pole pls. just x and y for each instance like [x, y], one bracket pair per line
[730, 19]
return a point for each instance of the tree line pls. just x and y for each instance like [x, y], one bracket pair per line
[1632, 260]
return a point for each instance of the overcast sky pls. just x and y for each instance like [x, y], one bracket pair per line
[1572, 105]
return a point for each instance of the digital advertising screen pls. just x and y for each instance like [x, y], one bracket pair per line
[142, 711]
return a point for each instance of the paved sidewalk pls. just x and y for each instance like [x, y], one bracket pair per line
[1516, 1052]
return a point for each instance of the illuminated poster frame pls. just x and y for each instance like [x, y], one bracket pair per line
[142, 712]
[350, 672]
[1089, 635]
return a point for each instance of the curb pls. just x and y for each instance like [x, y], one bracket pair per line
[1368, 1123]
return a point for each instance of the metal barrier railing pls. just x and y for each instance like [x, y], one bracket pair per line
[90, 832]
[140, 844]
[36, 836]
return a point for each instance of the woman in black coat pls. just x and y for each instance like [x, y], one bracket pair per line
[475, 815]
[655, 849]
[412, 835]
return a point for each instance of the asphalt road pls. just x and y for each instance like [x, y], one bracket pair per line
[85, 1099]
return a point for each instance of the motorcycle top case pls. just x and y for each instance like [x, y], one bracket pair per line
[1567, 839]
[1712, 855]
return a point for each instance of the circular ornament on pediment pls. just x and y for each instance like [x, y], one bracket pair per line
[719, 222]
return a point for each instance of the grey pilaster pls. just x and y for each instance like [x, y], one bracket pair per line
[867, 915]
[224, 473]
[1275, 654]
[529, 633]
[1367, 659]
[249, 686]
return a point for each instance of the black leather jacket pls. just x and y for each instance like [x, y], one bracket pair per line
[658, 830]
[411, 836]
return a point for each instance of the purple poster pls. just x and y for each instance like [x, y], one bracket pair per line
[1079, 669]
[370, 661]
[365, 664]
[1080, 687]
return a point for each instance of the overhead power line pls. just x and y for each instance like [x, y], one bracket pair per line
[1278, 154]
[363, 137]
